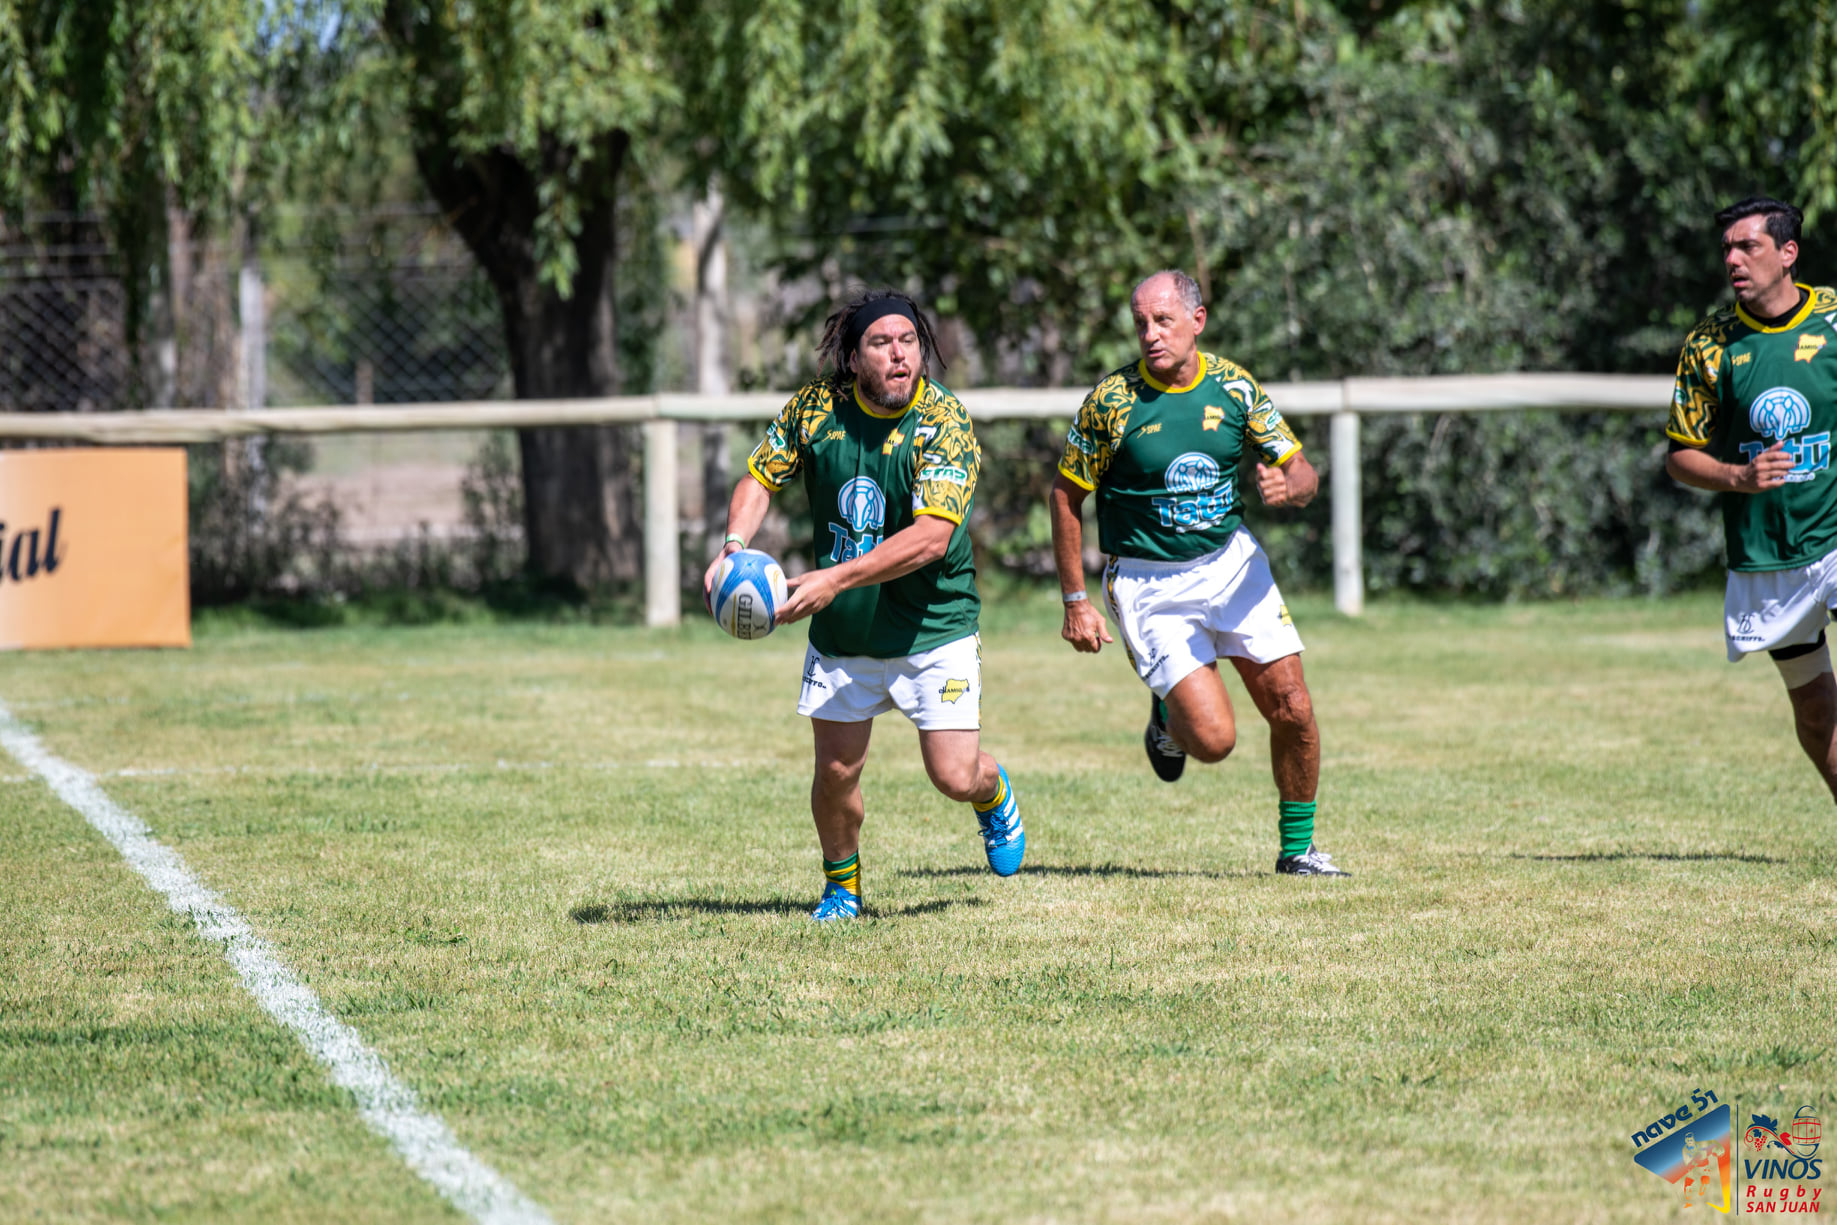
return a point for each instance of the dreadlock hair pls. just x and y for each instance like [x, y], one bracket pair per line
[837, 356]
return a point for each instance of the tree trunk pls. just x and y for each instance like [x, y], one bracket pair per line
[711, 315]
[582, 520]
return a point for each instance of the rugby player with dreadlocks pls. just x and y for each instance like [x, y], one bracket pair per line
[890, 463]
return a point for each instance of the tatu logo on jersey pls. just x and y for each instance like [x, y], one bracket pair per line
[1196, 473]
[864, 508]
[1780, 413]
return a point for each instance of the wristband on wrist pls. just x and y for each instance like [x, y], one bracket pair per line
[733, 539]
[1072, 597]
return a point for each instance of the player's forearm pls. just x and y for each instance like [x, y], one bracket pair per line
[1065, 511]
[913, 547]
[746, 510]
[1303, 481]
[1702, 471]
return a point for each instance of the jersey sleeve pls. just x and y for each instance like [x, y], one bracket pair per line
[1697, 395]
[1091, 442]
[1264, 427]
[949, 462]
[780, 454]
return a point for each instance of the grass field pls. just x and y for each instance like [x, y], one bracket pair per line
[558, 876]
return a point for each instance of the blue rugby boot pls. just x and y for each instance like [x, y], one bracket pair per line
[837, 904]
[1002, 835]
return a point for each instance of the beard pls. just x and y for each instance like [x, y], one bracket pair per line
[876, 391]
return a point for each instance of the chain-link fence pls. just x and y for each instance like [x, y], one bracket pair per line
[385, 306]
[380, 307]
[63, 343]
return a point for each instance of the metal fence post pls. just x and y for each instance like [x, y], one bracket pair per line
[662, 557]
[1348, 516]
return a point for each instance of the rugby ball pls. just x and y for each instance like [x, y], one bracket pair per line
[748, 590]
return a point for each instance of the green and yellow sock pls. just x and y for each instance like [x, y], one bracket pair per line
[1295, 826]
[994, 801]
[844, 872]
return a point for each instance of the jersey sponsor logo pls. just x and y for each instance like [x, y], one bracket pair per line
[1742, 359]
[835, 435]
[1195, 473]
[864, 511]
[1809, 344]
[1811, 454]
[1214, 417]
[893, 440]
[775, 437]
[1778, 412]
[1077, 438]
[1154, 428]
[953, 689]
[948, 473]
[862, 504]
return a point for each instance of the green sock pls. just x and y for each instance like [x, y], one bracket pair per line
[1295, 826]
[845, 872]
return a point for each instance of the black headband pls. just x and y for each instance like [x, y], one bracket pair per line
[871, 312]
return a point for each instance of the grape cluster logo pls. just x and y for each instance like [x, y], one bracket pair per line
[1774, 1168]
[1780, 1166]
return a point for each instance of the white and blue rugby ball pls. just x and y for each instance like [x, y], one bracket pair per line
[748, 590]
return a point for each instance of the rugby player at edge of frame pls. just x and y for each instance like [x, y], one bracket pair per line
[890, 463]
[1159, 442]
[1752, 415]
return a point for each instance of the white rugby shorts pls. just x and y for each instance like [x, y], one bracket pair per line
[940, 690]
[1175, 617]
[1778, 608]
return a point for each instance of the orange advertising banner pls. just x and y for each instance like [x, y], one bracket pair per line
[93, 548]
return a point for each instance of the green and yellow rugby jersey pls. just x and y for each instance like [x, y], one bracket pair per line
[1743, 386]
[869, 473]
[1164, 460]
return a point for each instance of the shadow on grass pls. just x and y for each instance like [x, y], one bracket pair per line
[682, 908]
[1663, 856]
[1085, 869]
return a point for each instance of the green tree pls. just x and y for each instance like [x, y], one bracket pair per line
[993, 151]
[523, 117]
[134, 107]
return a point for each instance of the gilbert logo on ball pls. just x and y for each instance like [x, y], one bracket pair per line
[748, 589]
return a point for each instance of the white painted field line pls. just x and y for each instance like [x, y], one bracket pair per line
[416, 767]
[385, 1103]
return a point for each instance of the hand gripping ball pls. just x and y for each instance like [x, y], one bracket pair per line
[748, 589]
